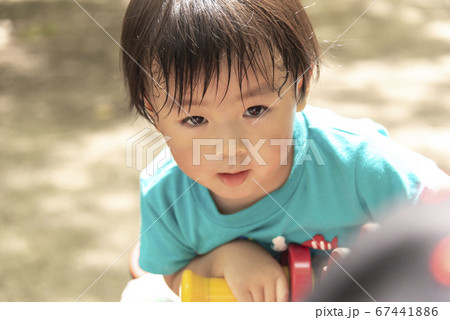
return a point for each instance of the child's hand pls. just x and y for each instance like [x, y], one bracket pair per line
[252, 273]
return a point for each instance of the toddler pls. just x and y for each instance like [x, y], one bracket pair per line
[252, 167]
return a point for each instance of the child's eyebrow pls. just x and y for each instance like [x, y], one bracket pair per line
[260, 90]
[251, 93]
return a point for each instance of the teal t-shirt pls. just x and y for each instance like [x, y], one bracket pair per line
[345, 172]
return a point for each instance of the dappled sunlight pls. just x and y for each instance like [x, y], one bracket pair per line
[14, 244]
[439, 30]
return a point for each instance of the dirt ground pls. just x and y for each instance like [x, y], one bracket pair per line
[70, 202]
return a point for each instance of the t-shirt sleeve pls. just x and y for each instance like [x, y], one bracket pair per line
[163, 249]
[388, 173]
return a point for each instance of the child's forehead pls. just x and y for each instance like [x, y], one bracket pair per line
[227, 83]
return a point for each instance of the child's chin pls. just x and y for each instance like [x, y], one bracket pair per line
[236, 193]
[232, 193]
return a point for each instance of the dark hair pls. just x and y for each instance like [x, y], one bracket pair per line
[189, 40]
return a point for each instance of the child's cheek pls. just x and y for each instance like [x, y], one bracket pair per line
[189, 157]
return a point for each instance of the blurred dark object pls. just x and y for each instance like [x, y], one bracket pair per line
[406, 259]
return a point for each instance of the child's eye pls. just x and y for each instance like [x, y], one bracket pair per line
[255, 111]
[194, 121]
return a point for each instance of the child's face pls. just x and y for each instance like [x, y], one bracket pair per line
[229, 146]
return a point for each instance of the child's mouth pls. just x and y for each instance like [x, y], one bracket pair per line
[233, 179]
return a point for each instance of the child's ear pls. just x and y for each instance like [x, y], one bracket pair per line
[148, 106]
[302, 103]
[150, 111]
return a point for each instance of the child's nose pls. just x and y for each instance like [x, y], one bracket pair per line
[233, 146]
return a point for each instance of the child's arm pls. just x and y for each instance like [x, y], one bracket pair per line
[250, 271]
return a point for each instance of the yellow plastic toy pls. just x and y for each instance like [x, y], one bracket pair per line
[195, 288]
[297, 265]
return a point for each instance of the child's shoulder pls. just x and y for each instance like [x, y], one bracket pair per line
[344, 138]
[328, 121]
[359, 143]
[364, 145]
